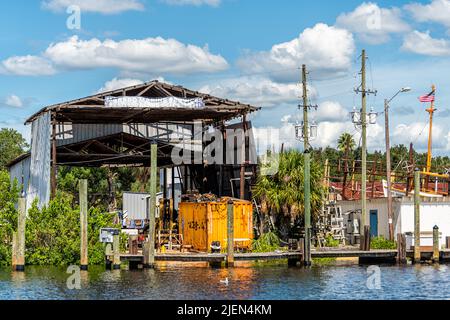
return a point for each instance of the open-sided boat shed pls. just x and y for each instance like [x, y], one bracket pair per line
[116, 128]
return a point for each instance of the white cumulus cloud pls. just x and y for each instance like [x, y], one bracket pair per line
[99, 6]
[118, 83]
[13, 101]
[422, 43]
[436, 11]
[141, 57]
[326, 50]
[258, 91]
[27, 66]
[150, 55]
[373, 24]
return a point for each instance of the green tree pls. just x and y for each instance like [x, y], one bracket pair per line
[12, 144]
[9, 193]
[105, 185]
[281, 194]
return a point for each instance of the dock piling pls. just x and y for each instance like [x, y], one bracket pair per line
[14, 251]
[84, 225]
[435, 244]
[417, 216]
[150, 258]
[230, 233]
[116, 251]
[20, 238]
[401, 248]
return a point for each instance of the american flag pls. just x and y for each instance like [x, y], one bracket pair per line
[428, 98]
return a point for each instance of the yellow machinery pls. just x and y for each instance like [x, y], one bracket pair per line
[202, 223]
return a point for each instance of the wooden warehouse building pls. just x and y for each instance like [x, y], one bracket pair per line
[116, 128]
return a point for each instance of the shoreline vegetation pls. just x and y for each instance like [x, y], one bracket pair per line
[52, 233]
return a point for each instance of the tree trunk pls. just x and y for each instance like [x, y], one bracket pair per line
[112, 205]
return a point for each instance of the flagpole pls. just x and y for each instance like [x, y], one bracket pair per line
[430, 133]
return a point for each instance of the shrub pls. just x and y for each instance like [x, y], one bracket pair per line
[8, 215]
[268, 242]
[53, 233]
[382, 243]
[331, 242]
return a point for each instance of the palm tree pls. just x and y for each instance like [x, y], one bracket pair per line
[346, 142]
[281, 193]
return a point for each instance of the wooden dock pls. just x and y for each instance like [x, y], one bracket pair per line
[213, 257]
[373, 256]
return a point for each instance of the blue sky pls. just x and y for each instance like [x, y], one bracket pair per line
[247, 50]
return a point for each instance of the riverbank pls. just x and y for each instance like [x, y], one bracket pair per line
[251, 281]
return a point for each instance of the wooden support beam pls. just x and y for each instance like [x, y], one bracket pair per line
[20, 244]
[230, 233]
[83, 225]
[243, 161]
[146, 89]
[150, 259]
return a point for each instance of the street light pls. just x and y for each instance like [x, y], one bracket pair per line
[388, 159]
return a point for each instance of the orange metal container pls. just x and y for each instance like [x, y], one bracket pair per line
[201, 223]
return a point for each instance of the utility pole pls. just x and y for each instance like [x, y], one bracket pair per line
[364, 228]
[306, 172]
[388, 161]
[305, 110]
[364, 145]
[306, 165]
[388, 169]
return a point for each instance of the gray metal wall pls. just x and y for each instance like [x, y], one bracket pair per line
[21, 172]
[68, 133]
[135, 204]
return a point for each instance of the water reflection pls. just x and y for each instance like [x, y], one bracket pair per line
[245, 281]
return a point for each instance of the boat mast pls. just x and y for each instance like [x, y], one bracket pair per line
[431, 111]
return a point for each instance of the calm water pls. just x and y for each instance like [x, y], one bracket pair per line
[247, 282]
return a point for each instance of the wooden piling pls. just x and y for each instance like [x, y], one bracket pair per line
[14, 251]
[307, 206]
[435, 244]
[417, 216]
[367, 238]
[21, 220]
[230, 233]
[116, 251]
[83, 225]
[150, 259]
[401, 248]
